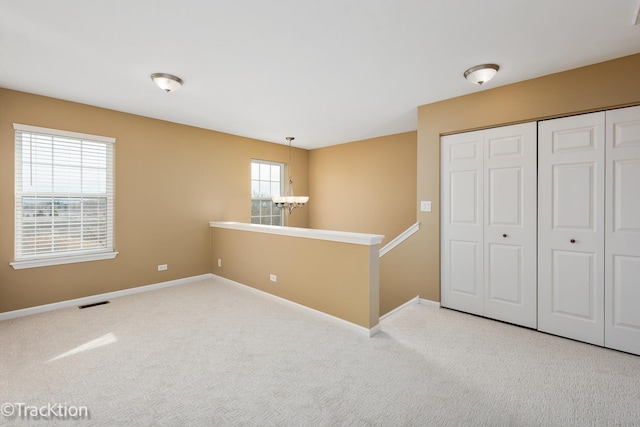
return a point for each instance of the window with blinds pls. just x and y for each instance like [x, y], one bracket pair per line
[64, 194]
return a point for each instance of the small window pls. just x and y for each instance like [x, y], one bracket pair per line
[64, 194]
[266, 182]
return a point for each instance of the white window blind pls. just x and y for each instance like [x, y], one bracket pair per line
[64, 194]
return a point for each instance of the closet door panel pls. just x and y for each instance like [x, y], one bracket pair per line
[510, 224]
[573, 285]
[506, 197]
[626, 197]
[622, 238]
[625, 292]
[463, 190]
[461, 222]
[574, 204]
[505, 264]
[463, 268]
[571, 227]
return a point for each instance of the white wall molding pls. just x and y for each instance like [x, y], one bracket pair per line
[357, 328]
[401, 238]
[100, 297]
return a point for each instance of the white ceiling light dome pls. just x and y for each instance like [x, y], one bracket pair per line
[167, 82]
[481, 74]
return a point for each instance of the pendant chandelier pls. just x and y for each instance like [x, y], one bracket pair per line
[289, 201]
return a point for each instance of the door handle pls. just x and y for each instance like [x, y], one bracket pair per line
[572, 240]
[505, 236]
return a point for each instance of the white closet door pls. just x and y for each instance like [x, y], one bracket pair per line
[461, 222]
[571, 227]
[622, 238]
[510, 236]
[488, 218]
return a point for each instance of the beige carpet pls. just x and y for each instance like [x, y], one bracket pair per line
[209, 353]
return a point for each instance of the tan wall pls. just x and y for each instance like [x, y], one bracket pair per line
[369, 186]
[398, 283]
[365, 186]
[171, 180]
[327, 276]
[596, 87]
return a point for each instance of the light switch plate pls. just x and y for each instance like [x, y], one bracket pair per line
[425, 206]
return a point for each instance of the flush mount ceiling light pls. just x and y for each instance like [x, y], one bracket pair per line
[289, 201]
[481, 74]
[167, 82]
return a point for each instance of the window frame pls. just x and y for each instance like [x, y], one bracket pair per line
[282, 177]
[64, 256]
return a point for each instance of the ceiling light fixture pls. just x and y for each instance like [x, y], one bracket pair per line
[481, 74]
[289, 201]
[167, 82]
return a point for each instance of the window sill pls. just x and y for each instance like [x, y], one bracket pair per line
[44, 262]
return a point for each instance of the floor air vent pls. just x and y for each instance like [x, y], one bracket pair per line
[93, 305]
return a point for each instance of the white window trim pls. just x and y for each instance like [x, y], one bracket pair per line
[44, 262]
[283, 216]
[56, 259]
[57, 132]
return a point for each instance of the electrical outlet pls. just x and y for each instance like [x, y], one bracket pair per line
[162, 267]
[219, 262]
[273, 277]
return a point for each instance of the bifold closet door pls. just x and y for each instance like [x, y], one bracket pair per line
[622, 237]
[462, 222]
[488, 221]
[571, 176]
[510, 238]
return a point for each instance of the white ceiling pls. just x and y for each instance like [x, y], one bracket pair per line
[324, 71]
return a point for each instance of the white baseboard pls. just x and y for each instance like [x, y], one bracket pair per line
[361, 329]
[100, 297]
[413, 300]
[429, 303]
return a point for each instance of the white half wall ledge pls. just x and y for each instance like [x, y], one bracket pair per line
[308, 233]
[98, 298]
[357, 328]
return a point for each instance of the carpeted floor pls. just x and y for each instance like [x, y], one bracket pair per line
[209, 353]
